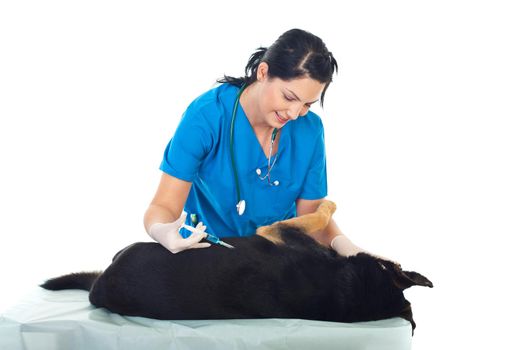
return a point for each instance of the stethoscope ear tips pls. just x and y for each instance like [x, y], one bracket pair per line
[274, 183]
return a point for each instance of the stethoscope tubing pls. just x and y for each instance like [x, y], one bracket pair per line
[233, 162]
[240, 204]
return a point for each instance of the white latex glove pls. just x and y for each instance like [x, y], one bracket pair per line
[168, 236]
[344, 246]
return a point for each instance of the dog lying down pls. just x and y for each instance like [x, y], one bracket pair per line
[278, 273]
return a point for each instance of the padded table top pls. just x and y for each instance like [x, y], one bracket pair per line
[66, 320]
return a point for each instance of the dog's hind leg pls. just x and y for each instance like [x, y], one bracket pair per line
[309, 223]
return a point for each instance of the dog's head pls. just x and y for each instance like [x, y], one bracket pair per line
[382, 284]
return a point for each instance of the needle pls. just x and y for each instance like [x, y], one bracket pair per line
[210, 238]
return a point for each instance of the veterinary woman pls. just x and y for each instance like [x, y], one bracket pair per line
[249, 152]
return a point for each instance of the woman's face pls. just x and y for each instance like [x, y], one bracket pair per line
[281, 101]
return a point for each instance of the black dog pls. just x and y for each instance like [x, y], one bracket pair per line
[279, 273]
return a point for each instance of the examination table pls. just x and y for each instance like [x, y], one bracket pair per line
[66, 320]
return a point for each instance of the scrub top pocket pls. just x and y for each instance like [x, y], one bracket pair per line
[271, 203]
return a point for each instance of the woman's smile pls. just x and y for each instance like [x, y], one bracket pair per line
[281, 119]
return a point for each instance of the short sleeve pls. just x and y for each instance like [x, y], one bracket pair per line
[188, 147]
[315, 184]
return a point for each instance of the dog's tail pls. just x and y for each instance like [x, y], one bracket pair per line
[80, 280]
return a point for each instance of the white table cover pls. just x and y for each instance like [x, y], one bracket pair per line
[66, 320]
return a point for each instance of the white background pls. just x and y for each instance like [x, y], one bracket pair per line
[423, 130]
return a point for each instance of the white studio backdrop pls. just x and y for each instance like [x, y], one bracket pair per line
[423, 130]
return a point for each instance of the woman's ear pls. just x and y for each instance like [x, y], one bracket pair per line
[262, 73]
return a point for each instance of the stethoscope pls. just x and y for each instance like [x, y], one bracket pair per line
[240, 204]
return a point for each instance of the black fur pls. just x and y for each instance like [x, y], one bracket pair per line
[257, 279]
[77, 280]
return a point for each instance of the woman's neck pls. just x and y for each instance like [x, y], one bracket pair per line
[248, 101]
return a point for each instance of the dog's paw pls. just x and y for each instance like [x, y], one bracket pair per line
[327, 206]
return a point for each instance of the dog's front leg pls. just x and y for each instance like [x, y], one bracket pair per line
[309, 223]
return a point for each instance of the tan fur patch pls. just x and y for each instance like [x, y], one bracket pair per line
[272, 233]
[316, 221]
[310, 223]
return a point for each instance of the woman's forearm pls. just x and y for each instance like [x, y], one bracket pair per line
[326, 236]
[168, 202]
[158, 214]
[332, 237]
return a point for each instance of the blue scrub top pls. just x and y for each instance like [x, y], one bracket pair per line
[199, 153]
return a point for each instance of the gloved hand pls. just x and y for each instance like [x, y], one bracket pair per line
[344, 246]
[168, 236]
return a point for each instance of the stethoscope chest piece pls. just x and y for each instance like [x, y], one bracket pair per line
[240, 207]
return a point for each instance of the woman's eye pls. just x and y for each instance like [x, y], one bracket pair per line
[288, 98]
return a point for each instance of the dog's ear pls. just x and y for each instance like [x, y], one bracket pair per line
[405, 279]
